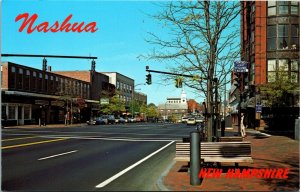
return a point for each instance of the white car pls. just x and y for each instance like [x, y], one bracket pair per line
[184, 119]
[191, 121]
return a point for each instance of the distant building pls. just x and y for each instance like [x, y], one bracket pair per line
[174, 106]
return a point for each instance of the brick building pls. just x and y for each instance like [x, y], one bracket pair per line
[30, 96]
[100, 86]
[269, 41]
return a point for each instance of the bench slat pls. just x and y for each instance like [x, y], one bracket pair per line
[237, 151]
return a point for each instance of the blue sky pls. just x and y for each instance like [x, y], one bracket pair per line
[122, 28]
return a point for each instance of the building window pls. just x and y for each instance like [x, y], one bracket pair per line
[271, 8]
[12, 112]
[294, 71]
[271, 37]
[13, 69]
[33, 84]
[46, 83]
[20, 79]
[271, 70]
[294, 7]
[284, 69]
[283, 7]
[13, 77]
[27, 78]
[283, 37]
[294, 36]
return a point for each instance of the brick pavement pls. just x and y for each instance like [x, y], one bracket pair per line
[267, 152]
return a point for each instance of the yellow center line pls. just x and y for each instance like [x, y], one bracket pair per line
[34, 143]
[18, 138]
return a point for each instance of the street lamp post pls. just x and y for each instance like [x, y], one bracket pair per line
[132, 95]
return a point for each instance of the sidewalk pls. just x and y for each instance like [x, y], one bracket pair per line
[267, 152]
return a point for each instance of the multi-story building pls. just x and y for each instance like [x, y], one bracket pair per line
[269, 42]
[174, 106]
[100, 86]
[124, 86]
[31, 95]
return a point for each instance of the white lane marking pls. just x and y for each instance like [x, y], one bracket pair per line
[107, 181]
[52, 156]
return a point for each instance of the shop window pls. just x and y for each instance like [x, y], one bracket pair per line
[11, 112]
[27, 112]
[4, 115]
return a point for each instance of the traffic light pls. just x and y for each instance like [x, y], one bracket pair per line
[148, 79]
[178, 82]
[237, 80]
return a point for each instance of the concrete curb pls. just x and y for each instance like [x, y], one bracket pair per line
[160, 181]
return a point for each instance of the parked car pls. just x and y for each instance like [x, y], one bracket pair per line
[96, 121]
[191, 121]
[120, 120]
[109, 119]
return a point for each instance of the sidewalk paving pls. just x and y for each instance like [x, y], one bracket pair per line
[267, 152]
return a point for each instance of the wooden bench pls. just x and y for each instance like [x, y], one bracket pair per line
[230, 139]
[219, 152]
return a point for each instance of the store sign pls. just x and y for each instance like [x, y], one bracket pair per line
[58, 103]
[258, 108]
[41, 102]
[240, 66]
[104, 101]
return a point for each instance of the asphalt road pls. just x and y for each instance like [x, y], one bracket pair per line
[88, 158]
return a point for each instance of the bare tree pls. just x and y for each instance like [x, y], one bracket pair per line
[203, 41]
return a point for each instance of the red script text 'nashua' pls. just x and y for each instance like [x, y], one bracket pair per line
[65, 26]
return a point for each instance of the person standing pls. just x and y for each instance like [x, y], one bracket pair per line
[243, 127]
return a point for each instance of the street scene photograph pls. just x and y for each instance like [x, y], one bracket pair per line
[149, 95]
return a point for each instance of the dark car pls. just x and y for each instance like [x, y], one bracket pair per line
[120, 120]
[96, 121]
[109, 119]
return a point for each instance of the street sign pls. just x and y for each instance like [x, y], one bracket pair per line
[104, 101]
[240, 66]
[258, 108]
